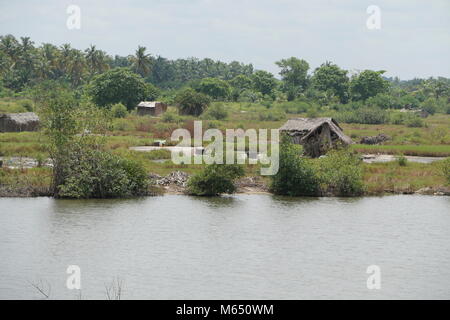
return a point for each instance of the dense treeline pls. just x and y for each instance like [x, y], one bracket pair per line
[361, 97]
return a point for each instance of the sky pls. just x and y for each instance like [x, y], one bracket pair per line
[413, 39]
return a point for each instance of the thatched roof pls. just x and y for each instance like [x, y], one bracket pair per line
[21, 118]
[149, 104]
[307, 126]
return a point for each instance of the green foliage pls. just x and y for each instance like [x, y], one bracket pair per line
[413, 121]
[295, 176]
[402, 161]
[250, 96]
[264, 82]
[294, 73]
[99, 174]
[215, 179]
[430, 105]
[364, 116]
[118, 110]
[445, 166]
[170, 117]
[368, 84]
[119, 85]
[383, 101]
[215, 88]
[330, 78]
[241, 82]
[340, 173]
[217, 111]
[191, 102]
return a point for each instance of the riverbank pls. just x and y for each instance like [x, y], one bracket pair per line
[379, 178]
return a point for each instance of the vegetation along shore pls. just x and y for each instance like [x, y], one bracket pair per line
[69, 122]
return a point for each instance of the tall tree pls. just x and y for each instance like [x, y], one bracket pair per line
[294, 73]
[331, 79]
[141, 62]
[368, 84]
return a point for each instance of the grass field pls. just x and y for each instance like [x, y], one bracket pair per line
[431, 140]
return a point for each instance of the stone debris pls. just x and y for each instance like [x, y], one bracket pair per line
[23, 162]
[437, 191]
[178, 178]
[380, 138]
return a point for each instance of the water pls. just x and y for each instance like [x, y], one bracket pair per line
[240, 247]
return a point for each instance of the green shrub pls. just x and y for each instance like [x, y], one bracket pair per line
[215, 179]
[402, 161]
[118, 110]
[191, 102]
[98, 174]
[340, 173]
[446, 169]
[414, 121]
[295, 176]
[363, 116]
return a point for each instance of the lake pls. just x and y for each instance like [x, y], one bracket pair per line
[237, 247]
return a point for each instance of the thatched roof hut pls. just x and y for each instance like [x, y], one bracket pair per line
[17, 122]
[151, 108]
[316, 135]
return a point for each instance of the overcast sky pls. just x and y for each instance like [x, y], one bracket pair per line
[414, 39]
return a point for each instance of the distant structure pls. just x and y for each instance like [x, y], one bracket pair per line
[316, 135]
[151, 108]
[17, 122]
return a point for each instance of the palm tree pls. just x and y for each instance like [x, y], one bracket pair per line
[96, 60]
[141, 62]
[76, 67]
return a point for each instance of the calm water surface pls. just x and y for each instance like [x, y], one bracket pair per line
[240, 247]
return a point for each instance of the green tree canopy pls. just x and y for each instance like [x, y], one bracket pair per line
[294, 73]
[330, 78]
[191, 102]
[264, 82]
[368, 84]
[215, 88]
[120, 85]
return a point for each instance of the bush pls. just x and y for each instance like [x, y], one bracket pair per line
[446, 169]
[430, 105]
[191, 102]
[295, 176]
[215, 88]
[414, 121]
[363, 116]
[402, 161]
[340, 173]
[216, 112]
[98, 174]
[215, 179]
[119, 85]
[118, 110]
